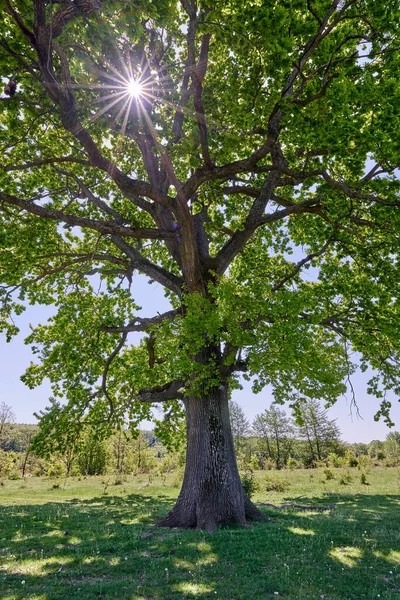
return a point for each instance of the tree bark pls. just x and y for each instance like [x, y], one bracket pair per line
[212, 493]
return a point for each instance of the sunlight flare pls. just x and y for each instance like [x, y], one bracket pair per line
[135, 88]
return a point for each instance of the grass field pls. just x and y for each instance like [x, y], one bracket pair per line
[77, 542]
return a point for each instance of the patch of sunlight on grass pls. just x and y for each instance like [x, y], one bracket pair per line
[300, 531]
[204, 547]
[193, 588]
[210, 559]
[88, 560]
[74, 541]
[391, 556]
[114, 561]
[183, 564]
[54, 533]
[128, 522]
[347, 555]
[40, 567]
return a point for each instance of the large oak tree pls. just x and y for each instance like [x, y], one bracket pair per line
[241, 154]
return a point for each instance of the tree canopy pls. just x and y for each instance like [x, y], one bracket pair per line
[242, 155]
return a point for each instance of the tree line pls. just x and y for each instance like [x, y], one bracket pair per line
[272, 441]
[275, 440]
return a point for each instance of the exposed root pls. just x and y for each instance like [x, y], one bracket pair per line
[329, 507]
[252, 513]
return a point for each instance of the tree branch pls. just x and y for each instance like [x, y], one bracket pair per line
[142, 264]
[303, 262]
[144, 323]
[104, 227]
[162, 393]
[45, 161]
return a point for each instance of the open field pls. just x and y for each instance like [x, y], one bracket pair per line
[79, 542]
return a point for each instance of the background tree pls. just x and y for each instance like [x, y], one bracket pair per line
[321, 434]
[240, 425]
[7, 417]
[275, 433]
[185, 142]
[376, 449]
[392, 445]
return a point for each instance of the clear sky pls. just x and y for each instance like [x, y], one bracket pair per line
[16, 356]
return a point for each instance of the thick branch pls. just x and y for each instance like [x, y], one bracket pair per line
[142, 264]
[162, 393]
[144, 323]
[104, 227]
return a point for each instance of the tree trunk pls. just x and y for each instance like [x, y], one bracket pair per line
[212, 493]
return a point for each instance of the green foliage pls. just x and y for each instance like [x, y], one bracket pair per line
[56, 469]
[364, 463]
[329, 474]
[350, 458]
[273, 484]
[345, 478]
[7, 463]
[292, 463]
[334, 460]
[250, 484]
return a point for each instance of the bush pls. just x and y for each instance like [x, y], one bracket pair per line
[329, 474]
[350, 458]
[292, 464]
[250, 485]
[269, 464]
[273, 484]
[364, 462]
[334, 460]
[177, 482]
[346, 478]
[56, 470]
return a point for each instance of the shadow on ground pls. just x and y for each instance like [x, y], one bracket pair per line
[107, 547]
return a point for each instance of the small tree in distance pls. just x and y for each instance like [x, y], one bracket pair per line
[7, 417]
[321, 434]
[186, 141]
[275, 433]
[240, 425]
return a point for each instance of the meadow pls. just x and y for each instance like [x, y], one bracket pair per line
[94, 539]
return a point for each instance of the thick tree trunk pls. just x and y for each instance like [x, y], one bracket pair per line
[212, 493]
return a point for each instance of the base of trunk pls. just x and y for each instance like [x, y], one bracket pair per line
[190, 515]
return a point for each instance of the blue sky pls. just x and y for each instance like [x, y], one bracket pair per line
[16, 356]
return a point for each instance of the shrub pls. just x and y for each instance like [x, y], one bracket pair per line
[346, 478]
[334, 460]
[273, 484]
[250, 485]
[177, 482]
[56, 469]
[269, 464]
[364, 462]
[329, 474]
[292, 463]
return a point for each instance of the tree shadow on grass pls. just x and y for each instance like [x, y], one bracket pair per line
[107, 547]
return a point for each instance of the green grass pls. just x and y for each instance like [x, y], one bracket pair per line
[75, 542]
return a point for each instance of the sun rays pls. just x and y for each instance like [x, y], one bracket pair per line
[135, 88]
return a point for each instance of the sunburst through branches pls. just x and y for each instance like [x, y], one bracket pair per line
[127, 91]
